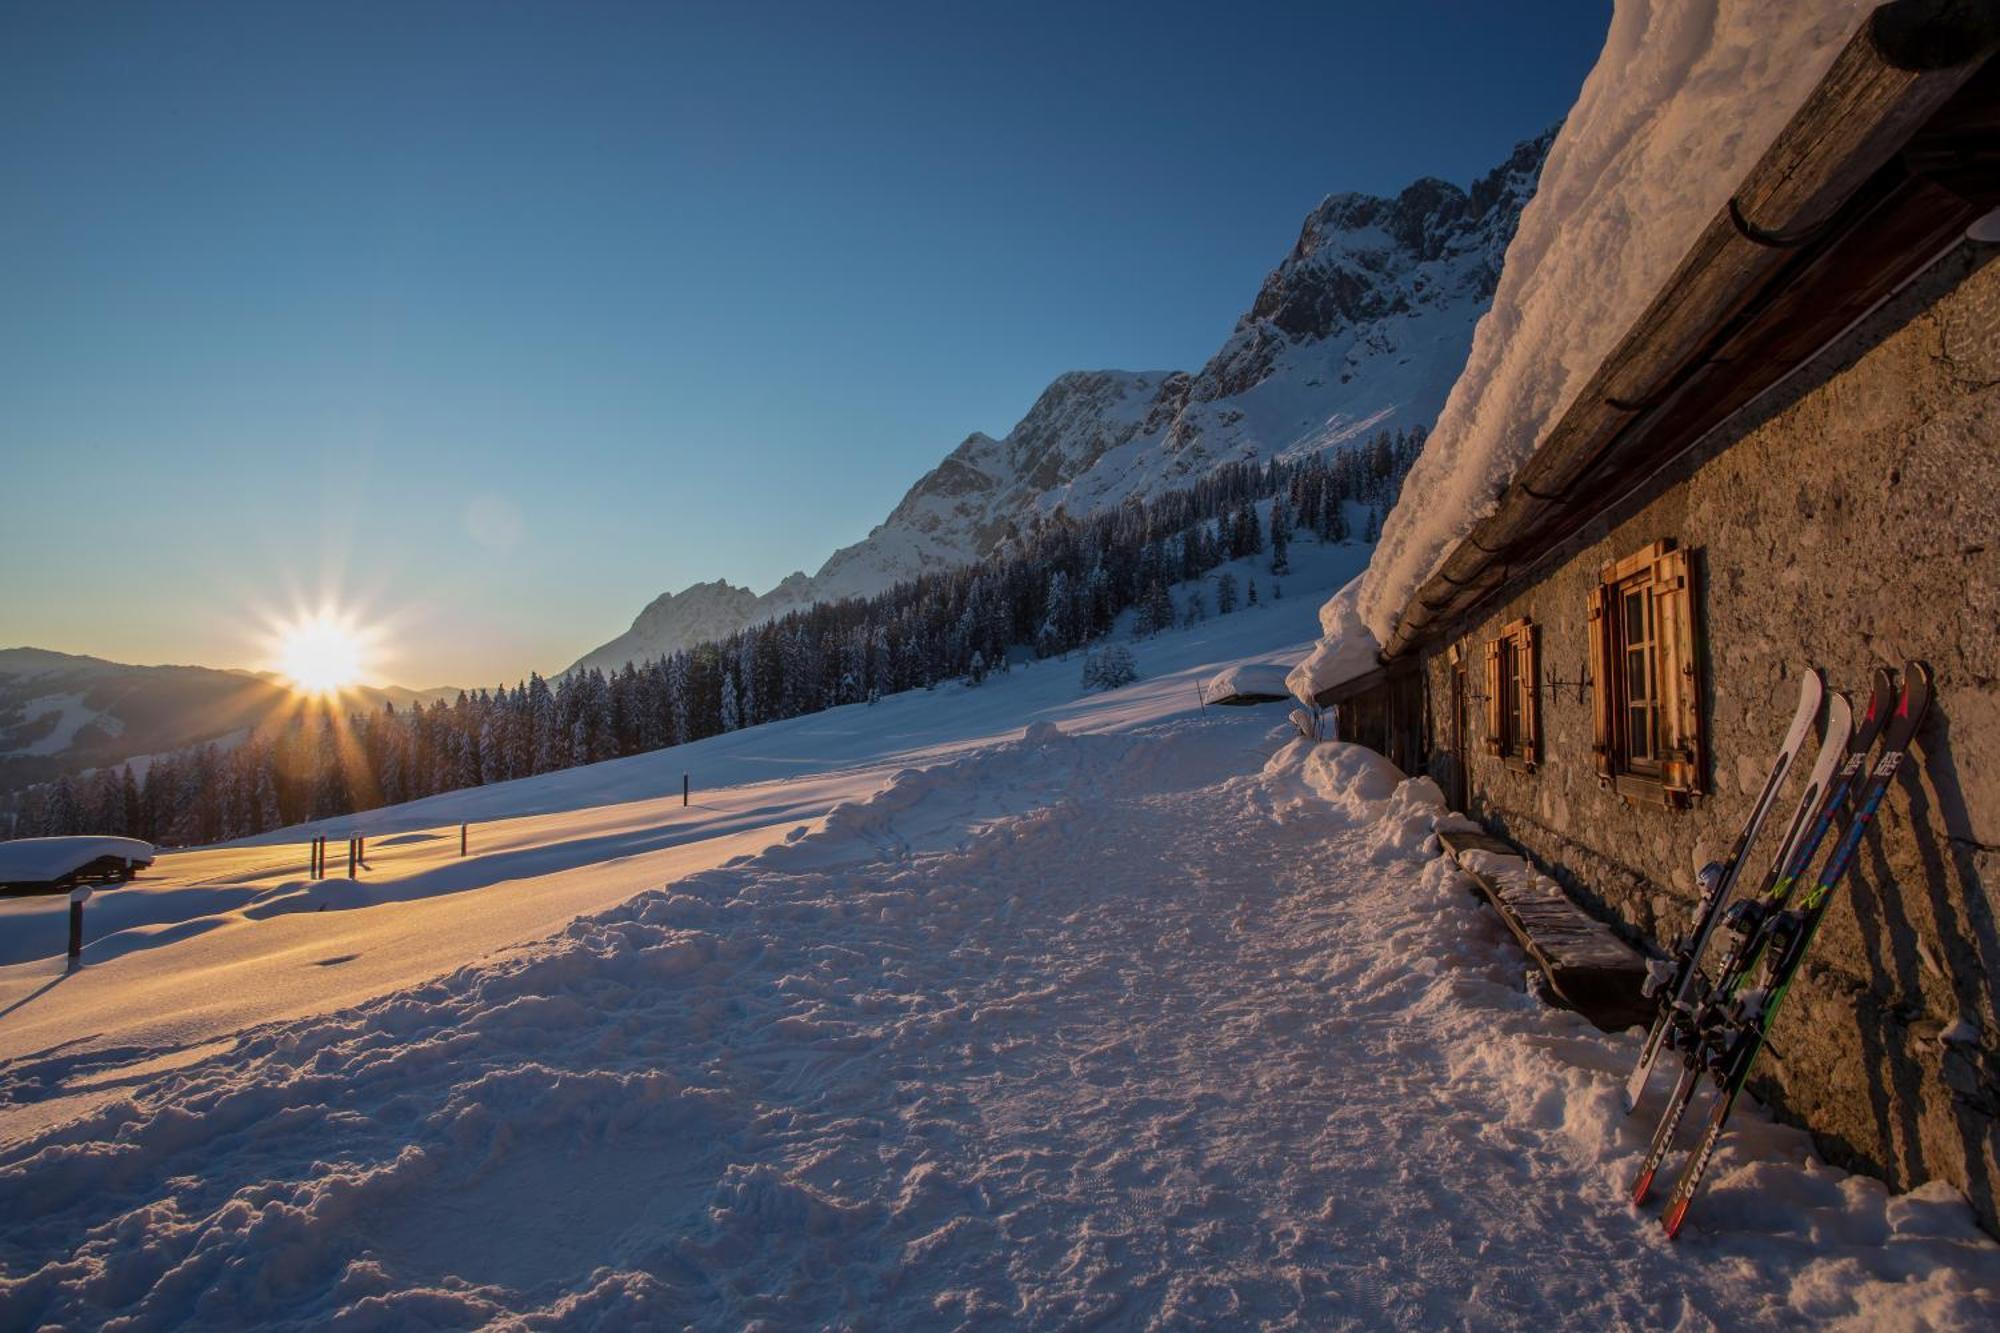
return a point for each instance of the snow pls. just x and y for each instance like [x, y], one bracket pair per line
[1346, 647]
[1252, 678]
[1174, 1024]
[997, 1005]
[72, 716]
[212, 941]
[1683, 100]
[38, 860]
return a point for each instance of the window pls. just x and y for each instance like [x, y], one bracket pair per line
[1513, 726]
[1647, 715]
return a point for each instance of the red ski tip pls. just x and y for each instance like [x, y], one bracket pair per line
[1641, 1188]
[1670, 1221]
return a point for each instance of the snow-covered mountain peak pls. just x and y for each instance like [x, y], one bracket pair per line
[1363, 326]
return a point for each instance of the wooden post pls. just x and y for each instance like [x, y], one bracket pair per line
[77, 898]
[461, 840]
[351, 856]
[684, 789]
[1201, 696]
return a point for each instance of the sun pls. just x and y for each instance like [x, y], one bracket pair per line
[320, 654]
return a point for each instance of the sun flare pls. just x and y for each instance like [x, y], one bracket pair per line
[321, 654]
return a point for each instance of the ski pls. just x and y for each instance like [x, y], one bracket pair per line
[1682, 1033]
[1783, 939]
[1716, 883]
[1747, 914]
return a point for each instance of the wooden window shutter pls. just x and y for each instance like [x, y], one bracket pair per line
[1602, 693]
[1530, 666]
[1494, 704]
[1680, 696]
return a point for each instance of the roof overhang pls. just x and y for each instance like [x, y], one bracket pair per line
[1893, 156]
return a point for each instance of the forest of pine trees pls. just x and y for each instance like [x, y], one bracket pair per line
[1047, 592]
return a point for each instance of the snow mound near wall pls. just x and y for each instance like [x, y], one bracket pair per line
[1684, 99]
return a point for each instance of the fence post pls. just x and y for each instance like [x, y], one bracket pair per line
[77, 898]
[461, 840]
[684, 790]
[350, 858]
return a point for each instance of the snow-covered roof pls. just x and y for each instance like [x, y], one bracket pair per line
[1683, 101]
[1249, 681]
[39, 860]
[1347, 648]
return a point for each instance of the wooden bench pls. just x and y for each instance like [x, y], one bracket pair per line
[1585, 965]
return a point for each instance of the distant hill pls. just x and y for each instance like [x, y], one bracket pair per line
[61, 713]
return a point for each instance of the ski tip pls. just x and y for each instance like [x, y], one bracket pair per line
[1881, 693]
[1670, 1220]
[1642, 1187]
[1916, 689]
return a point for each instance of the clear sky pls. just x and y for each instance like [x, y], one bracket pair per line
[497, 320]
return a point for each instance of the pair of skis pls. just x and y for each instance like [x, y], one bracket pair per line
[1719, 1026]
[1676, 993]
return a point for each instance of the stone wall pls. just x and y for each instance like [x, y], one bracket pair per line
[1850, 519]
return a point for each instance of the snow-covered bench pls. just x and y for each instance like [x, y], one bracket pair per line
[56, 865]
[1586, 966]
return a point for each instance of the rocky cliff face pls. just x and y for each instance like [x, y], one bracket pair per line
[1364, 326]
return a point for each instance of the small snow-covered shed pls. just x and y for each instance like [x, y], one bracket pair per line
[1733, 416]
[1248, 683]
[54, 865]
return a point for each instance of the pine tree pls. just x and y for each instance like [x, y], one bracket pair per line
[1225, 594]
[1250, 594]
[732, 716]
[63, 816]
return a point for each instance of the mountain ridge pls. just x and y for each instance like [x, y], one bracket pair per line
[1362, 326]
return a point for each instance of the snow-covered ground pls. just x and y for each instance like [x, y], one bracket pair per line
[1142, 1016]
[213, 941]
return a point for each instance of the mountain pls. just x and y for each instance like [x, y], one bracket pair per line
[1364, 326]
[62, 714]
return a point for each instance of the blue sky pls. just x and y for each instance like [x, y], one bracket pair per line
[497, 320]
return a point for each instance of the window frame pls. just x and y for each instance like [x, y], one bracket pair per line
[1657, 581]
[1513, 702]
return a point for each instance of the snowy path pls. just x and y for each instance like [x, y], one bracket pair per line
[1124, 1031]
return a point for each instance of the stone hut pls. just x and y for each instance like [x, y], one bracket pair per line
[1791, 461]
